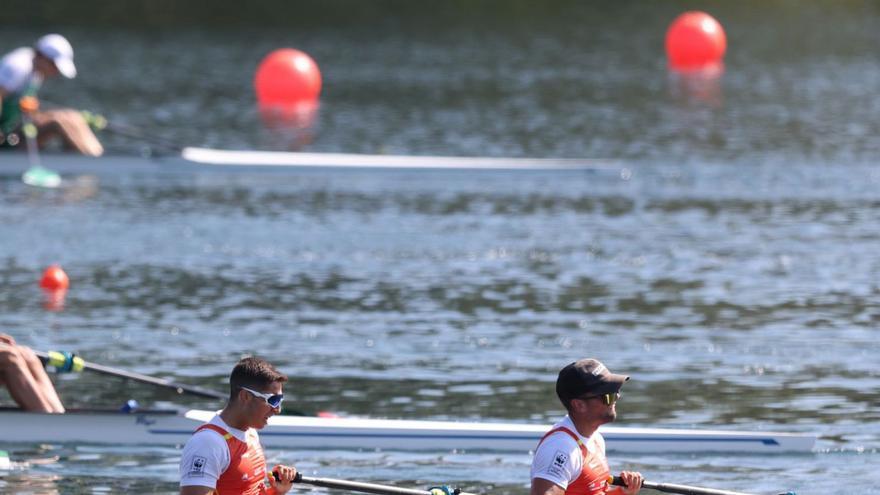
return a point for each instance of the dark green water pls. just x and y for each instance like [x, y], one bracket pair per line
[727, 260]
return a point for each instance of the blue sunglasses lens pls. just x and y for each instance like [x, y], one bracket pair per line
[275, 400]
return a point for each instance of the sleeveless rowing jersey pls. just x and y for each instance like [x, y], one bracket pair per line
[223, 458]
[571, 461]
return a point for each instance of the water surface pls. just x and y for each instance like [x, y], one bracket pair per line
[727, 260]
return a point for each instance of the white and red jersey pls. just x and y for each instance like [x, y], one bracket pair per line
[229, 460]
[572, 461]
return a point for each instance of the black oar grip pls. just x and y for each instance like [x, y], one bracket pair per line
[616, 481]
[296, 479]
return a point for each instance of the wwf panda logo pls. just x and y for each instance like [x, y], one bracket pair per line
[198, 465]
[560, 459]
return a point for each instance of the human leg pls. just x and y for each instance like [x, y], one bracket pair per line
[38, 372]
[69, 126]
[25, 389]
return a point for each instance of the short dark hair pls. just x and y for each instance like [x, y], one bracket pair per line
[254, 373]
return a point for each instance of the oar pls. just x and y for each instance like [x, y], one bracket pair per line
[682, 489]
[65, 361]
[358, 486]
[100, 123]
[36, 175]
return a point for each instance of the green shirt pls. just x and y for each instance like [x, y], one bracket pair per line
[10, 110]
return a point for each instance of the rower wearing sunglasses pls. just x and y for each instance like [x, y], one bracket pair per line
[224, 456]
[570, 458]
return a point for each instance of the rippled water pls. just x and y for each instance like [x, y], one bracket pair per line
[734, 294]
[727, 259]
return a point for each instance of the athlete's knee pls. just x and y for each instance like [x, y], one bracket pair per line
[28, 355]
[61, 118]
[70, 115]
[10, 357]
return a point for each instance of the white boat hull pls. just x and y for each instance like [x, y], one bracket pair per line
[209, 156]
[297, 432]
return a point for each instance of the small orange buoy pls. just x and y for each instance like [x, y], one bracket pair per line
[695, 40]
[287, 76]
[54, 278]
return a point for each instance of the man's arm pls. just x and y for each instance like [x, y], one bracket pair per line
[196, 490]
[540, 486]
[204, 458]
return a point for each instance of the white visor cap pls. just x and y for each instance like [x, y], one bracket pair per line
[57, 49]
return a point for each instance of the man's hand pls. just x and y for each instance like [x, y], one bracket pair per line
[282, 478]
[633, 482]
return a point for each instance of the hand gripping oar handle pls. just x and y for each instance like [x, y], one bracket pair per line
[357, 486]
[65, 361]
[681, 489]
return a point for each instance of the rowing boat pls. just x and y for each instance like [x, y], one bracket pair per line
[197, 159]
[208, 156]
[171, 427]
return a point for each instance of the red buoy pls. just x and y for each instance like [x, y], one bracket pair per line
[54, 278]
[287, 76]
[695, 40]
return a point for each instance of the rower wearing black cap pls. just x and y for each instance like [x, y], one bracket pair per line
[570, 458]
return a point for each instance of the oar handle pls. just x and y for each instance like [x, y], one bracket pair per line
[65, 361]
[680, 489]
[358, 486]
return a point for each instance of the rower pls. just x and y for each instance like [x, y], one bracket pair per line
[22, 72]
[21, 371]
[224, 456]
[570, 458]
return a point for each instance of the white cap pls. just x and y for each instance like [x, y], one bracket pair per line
[57, 49]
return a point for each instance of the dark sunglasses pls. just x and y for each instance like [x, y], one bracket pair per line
[274, 400]
[607, 399]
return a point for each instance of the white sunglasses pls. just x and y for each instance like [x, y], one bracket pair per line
[274, 400]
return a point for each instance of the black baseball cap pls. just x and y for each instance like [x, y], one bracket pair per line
[587, 377]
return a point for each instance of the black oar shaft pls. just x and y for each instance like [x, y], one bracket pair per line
[180, 388]
[357, 486]
[152, 140]
[680, 489]
[688, 490]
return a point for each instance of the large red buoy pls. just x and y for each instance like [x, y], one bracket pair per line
[287, 76]
[54, 278]
[695, 40]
